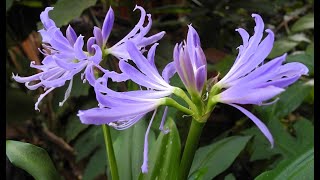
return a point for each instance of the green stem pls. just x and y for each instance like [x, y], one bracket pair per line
[180, 93]
[190, 148]
[110, 153]
[170, 102]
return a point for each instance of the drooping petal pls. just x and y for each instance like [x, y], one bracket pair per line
[41, 97]
[263, 128]
[67, 93]
[45, 19]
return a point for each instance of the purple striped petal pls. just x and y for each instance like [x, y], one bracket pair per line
[71, 35]
[98, 36]
[246, 95]
[201, 77]
[107, 25]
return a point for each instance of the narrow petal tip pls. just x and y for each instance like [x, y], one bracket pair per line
[144, 168]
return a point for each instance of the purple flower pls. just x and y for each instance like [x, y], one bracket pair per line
[190, 63]
[121, 110]
[250, 81]
[64, 58]
[136, 35]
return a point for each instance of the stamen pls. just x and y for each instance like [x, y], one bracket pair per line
[144, 166]
[67, 94]
[164, 116]
[269, 103]
[41, 97]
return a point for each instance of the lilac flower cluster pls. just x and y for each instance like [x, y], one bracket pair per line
[65, 57]
[249, 81]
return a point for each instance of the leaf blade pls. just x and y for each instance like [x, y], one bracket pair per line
[32, 159]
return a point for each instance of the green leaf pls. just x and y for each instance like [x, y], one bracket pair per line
[217, 157]
[288, 102]
[9, 4]
[285, 144]
[66, 10]
[96, 165]
[298, 167]
[306, 22]
[91, 140]
[128, 148]
[74, 127]
[165, 155]
[282, 46]
[32, 159]
[299, 37]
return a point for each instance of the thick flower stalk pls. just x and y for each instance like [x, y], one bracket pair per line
[250, 81]
[121, 110]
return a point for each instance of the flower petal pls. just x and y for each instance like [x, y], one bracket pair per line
[45, 19]
[168, 71]
[107, 25]
[71, 35]
[144, 167]
[100, 116]
[246, 95]
[263, 128]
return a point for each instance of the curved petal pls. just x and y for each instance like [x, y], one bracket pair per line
[263, 128]
[78, 45]
[168, 71]
[97, 57]
[45, 19]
